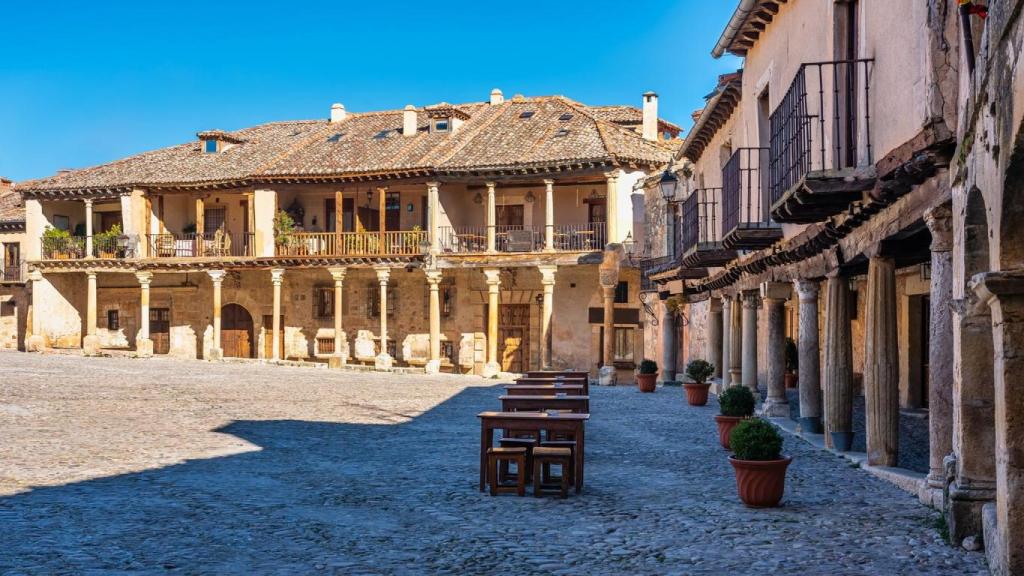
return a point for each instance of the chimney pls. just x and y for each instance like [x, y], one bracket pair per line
[497, 97]
[337, 113]
[409, 120]
[650, 126]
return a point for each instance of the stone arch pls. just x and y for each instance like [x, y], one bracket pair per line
[974, 384]
[1011, 221]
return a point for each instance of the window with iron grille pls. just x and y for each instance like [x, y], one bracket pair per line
[622, 293]
[113, 320]
[373, 299]
[445, 296]
[323, 302]
[213, 219]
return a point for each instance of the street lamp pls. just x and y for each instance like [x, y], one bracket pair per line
[669, 182]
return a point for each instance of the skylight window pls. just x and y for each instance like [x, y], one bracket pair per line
[383, 134]
[565, 117]
[562, 133]
[526, 115]
[336, 137]
[210, 146]
[442, 125]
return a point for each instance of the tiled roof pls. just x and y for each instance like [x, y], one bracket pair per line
[12, 209]
[560, 132]
[631, 116]
[745, 26]
[719, 107]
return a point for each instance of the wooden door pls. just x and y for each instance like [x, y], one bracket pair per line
[268, 337]
[109, 219]
[510, 215]
[236, 332]
[514, 337]
[160, 329]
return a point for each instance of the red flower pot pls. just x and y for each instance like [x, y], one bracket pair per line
[790, 379]
[697, 394]
[760, 483]
[725, 426]
[647, 382]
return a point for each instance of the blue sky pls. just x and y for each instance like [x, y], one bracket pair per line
[85, 83]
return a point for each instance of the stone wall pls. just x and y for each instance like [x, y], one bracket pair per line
[14, 313]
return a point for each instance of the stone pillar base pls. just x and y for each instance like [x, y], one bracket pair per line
[433, 367]
[491, 369]
[964, 512]
[383, 362]
[607, 376]
[91, 345]
[775, 408]
[335, 362]
[144, 348]
[842, 441]
[36, 343]
[995, 545]
[215, 354]
[811, 425]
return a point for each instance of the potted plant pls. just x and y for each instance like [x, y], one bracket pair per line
[105, 243]
[792, 363]
[759, 464]
[647, 375]
[56, 244]
[735, 404]
[284, 227]
[697, 391]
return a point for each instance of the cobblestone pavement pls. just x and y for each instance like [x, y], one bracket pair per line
[161, 466]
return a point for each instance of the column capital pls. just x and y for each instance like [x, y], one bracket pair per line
[996, 285]
[547, 274]
[549, 182]
[750, 299]
[144, 278]
[940, 223]
[433, 277]
[338, 274]
[88, 202]
[90, 273]
[612, 175]
[277, 276]
[493, 277]
[491, 185]
[433, 185]
[383, 274]
[216, 275]
[807, 290]
[382, 188]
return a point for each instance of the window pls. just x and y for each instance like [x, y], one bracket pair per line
[562, 133]
[393, 211]
[113, 320]
[213, 219]
[373, 299]
[623, 345]
[8, 308]
[565, 117]
[622, 293]
[61, 222]
[323, 302]
[210, 146]
[442, 125]
[527, 114]
[445, 296]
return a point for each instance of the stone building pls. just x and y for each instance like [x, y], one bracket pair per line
[475, 238]
[858, 190]
[13, 295]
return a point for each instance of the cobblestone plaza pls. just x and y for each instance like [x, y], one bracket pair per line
[183, 467]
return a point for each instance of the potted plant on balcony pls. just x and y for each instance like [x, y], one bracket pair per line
[735, 404]
[57, 244]
[759, 464]
[697, 391]
[284, 228]
[647, 375]
[105, 243]
[792, 363]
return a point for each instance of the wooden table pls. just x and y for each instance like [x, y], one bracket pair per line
[554, 373]
[564, 381]
[544, 389]
[557, 422]
[523, 403]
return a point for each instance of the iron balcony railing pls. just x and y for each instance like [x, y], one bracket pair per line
[389, 243]
[744, 190]
[510, 239]
[63, 247]
[209, 245]
[702, 223]
[14, 272]
[822, 123]
[114, 247]
[649, 266]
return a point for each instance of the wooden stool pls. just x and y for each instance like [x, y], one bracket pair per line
[503, 466]
[571, 445]
[543, 458]
[495, 456]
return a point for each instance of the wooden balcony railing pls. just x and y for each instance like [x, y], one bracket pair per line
[392, 243]
[213, 245]
[514, 239]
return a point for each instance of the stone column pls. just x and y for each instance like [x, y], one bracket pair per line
[276, 278]
[725, 358]
[143, 344]
[608, 376]
[775, 295]
[340, 341]
[434, 284]
[217, 277]
[547, 280]
[493, 276]
[838, 371]
[809, 357]
[91, 342]
[491, 219]
[1004, 293]
[736, 342]
[749, 358]
[88, 229]
[549, 215]
[669, 346]
[433, 217]
[611, 207]
[940, 345]
[881, 371]
[36, 341]
[714, 337]
[383, 361]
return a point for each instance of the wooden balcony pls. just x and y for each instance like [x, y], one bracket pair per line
[821, 155]
[702, 230]
[330, 244]
[746, 224]
[522, 239]
[215, 245]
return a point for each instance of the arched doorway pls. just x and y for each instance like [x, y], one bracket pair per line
[236, 332]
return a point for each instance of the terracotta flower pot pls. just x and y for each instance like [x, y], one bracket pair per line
[760, 483]
[697, 394]
[725, 426]
[647, 382]
[790, 379]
